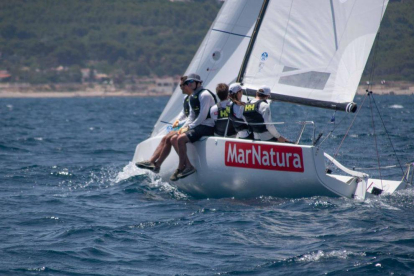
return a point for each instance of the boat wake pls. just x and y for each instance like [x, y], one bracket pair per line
[153, 180]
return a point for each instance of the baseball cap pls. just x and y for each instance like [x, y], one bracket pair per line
[235, 87]
[194, 77]
[265, 90]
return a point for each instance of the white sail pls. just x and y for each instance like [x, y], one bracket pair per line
[221, 53]
[314, 49]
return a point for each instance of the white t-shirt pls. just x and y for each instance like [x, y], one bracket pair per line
[206, 102]
[271, 132]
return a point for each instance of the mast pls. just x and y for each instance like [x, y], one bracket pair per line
[252, 41]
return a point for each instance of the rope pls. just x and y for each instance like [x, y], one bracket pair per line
[329, 134]
[389, 138]
[375, 138]
[349, 128]
[374, 57]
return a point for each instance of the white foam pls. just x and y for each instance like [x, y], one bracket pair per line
[128, 171]
[316, 256]
[396, 106]
[155, 180]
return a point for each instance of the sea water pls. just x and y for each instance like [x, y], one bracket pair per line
[72, 203]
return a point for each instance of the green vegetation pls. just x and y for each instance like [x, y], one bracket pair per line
[395, 53]
[129, 38]
[123, 37]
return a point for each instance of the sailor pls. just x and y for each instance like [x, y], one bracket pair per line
[236, 112]
[164, 147]
[257, 113]
[220, 113]
[199, 124]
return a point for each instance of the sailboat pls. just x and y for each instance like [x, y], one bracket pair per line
[309, 53]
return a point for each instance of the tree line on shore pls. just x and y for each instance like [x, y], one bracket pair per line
[128, 38]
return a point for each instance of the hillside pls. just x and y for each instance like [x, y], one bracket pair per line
[129, 38]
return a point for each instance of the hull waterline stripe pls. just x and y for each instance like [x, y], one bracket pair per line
[230, 33]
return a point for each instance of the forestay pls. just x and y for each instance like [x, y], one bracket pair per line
[314, 50]
[221, 53]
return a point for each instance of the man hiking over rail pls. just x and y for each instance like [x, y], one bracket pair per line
[164, 148]
[199, 124]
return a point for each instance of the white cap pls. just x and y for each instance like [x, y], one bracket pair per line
[235, 87]
[265, 90]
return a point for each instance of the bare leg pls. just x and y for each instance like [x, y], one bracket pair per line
[157, 153]
[174, 142]
[165, 151]
[182, 152]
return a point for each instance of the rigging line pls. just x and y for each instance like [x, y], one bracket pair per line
[329, 134]
[349, 128]
[374, 57]
[389, 138]
[375, 139]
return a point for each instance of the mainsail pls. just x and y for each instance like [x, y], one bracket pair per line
[314, 52]
[221, 53]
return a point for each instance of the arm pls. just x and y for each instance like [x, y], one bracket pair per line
[267, 117]
[190, 118]
[206, 101]
[180, 120]
[214, 112]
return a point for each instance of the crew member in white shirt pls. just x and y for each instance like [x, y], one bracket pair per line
[258, 114]
[199, 124]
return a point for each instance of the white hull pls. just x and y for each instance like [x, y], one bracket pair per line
[243, 174]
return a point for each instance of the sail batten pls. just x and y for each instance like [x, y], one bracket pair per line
[221, 53]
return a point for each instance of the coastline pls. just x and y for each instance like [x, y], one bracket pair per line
[77, 94]
[389, 88]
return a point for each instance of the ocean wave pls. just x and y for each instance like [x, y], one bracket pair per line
[320, 255]
[154, 180]
[396, 106]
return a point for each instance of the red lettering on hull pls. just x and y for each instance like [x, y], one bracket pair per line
[264, 157]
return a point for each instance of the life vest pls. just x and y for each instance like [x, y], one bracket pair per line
[236, 121]
[252, 115]
[222, 123]
[186, 106]
[195, 102]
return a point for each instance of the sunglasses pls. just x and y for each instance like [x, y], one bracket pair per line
[186, 83]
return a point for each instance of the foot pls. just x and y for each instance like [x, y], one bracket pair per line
[186, 172]
[145, 165]
[174, 177]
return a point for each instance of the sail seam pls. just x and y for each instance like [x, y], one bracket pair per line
[284, 36]
[225, 43]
